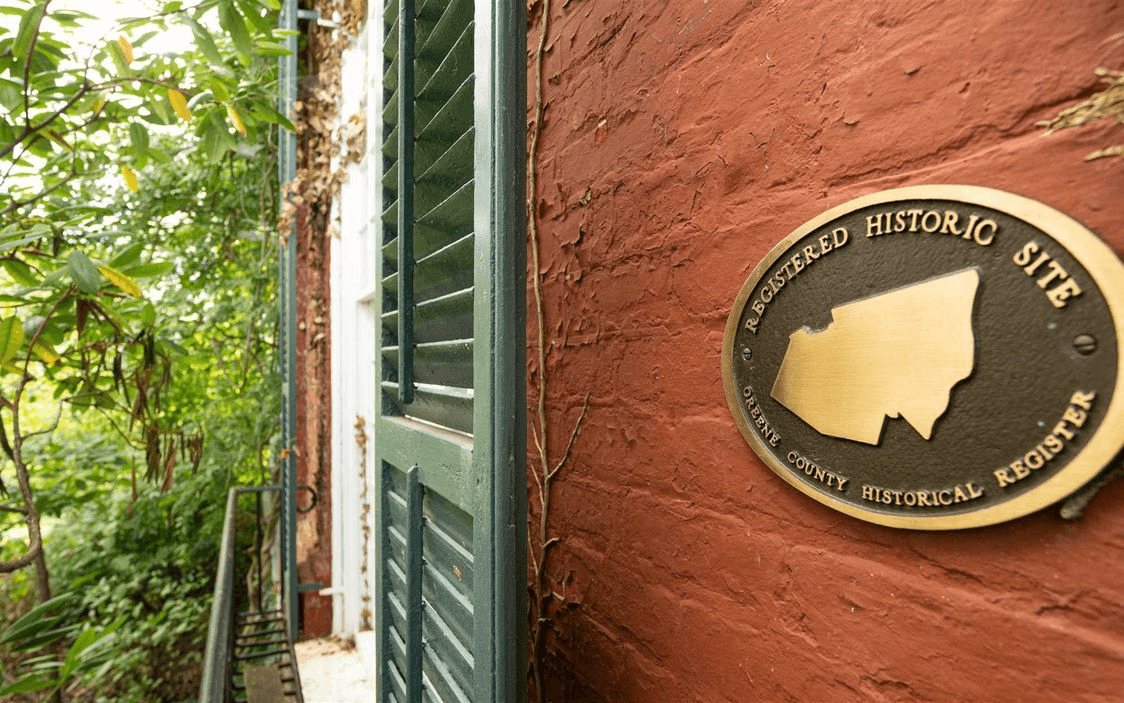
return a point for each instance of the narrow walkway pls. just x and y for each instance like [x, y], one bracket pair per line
[332, 670]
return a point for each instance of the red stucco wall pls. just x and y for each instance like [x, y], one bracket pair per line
[703, 133]
[314, 405]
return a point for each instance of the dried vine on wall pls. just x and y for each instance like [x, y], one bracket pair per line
[325, 145]
[316, 116]
[544, 473]
[1107, 102]
[361, 438]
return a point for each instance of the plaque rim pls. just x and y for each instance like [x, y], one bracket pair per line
[1098, 259]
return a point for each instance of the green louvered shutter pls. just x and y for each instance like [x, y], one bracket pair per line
[450, 437]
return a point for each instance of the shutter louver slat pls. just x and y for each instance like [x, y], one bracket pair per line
[450, 171]
[447, 317]
[428, 258]
[390, 180]
[441, 405]
[396, 679]
[437, 658]
[440, 363]
[444, 126]
[455, 67]
[444, 223]
[394, 556]
[390, 218]
[436, 42]
[445, 271]
[444, 218]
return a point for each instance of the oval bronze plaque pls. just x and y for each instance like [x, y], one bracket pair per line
[932, 357]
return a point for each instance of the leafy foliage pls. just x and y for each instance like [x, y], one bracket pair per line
[76, 314]
[150, 564]
[137, 327]
[46, 624]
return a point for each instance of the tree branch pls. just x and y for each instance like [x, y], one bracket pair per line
[27, 65]
[31, 516]
[17, 204]
[29, 129]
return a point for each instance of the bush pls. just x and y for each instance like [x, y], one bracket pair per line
[152, 563]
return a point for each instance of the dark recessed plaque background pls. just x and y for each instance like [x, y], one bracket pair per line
[1030, 357]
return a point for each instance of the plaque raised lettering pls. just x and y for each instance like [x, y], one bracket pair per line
[932, 357]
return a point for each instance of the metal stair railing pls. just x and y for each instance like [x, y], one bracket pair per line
[249, 654]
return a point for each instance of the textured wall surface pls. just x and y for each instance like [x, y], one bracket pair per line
[313, 443]
[682, 140]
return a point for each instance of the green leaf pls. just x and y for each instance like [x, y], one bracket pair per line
[27, 685]
[138, 135]
[32, 620]
[159, 113]
[40, 146]
[216, 139]
[159, 156]
[235, 25]
[219, 90]
[55, 278]
[11, 339]
[157, 268]
[84, 640]
[177, 349]
[83, 272]
[129, 255]
[259, 22]
[203, 96]
[13, 238]
[11, 96]
[26, 31]
[148, 314]
[47, 637]
[206, 43]
[144, 38]
[267, 113]
[58, 139]
[83, 652]
[20, 272]
[269, 48]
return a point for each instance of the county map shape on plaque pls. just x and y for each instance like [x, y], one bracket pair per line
[897, 354]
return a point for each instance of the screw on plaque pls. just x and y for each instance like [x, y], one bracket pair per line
[747, 353]
[1085, 344]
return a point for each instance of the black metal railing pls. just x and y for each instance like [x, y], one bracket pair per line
[249, 652]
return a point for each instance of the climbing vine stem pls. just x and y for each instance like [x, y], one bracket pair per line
[539, 540]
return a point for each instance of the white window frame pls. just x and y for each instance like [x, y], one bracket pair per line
[353, 308]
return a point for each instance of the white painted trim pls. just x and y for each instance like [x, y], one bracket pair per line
[353, 364]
